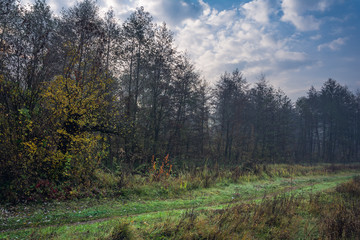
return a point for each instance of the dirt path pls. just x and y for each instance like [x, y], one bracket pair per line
[286, 190]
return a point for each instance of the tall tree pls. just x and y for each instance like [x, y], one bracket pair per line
[272, 120]
[82, 40]
[230, 100]
[182, 96]
[138, 33]
[329, 120]
[157, 87]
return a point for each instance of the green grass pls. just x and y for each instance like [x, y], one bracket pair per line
[96, 218]
[333, 214]
[91, 209]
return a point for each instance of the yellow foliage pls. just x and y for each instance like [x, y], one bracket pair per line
[75, 108]
[77, 102]
[55, 137]
[31, 147]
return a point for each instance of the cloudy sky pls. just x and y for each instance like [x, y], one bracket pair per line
[295, 43]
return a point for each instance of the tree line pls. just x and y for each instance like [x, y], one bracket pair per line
[82, 91]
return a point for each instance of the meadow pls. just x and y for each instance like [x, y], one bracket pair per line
[244, 202]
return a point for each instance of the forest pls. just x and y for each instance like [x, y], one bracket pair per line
[81, 92]
[107, 131]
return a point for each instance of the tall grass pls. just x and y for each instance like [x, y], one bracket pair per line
[334, 215]
[340, 219]
[295, 215]
[271, 219]
[162, 181]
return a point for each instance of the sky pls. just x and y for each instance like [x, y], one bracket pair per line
[296, 44]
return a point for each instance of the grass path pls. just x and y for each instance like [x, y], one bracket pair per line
[63, 220]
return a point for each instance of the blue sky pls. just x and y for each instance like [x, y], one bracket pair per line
[295, 43]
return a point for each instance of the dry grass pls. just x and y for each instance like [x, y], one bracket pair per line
[341, 218]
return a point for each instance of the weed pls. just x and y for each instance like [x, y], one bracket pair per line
[160, 169]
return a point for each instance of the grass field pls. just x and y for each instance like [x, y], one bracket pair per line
[292, 205]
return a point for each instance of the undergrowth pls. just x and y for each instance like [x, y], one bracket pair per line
[162, 180]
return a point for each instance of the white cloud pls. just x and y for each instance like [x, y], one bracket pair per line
[316, 37]
[296, 12]
[122, 9]
[333, 45]
[258, 10]
[172, 12]
[221, 41]
[292, 56]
